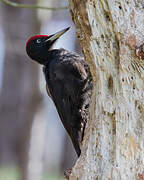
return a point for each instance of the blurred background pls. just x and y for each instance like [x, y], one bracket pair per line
[33, 143]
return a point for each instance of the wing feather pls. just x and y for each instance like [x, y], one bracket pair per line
[67, 81]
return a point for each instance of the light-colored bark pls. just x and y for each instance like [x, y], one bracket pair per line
[111, 35]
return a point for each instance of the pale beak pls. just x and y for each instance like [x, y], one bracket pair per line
[56, 35]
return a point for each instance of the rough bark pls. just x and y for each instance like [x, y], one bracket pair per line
[111, 36]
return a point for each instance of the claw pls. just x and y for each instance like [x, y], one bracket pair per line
[67, 173]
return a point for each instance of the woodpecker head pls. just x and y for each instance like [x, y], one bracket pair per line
[38, 46]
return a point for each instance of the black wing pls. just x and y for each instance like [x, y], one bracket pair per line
[68, 83]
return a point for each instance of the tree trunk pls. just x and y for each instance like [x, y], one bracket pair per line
[111, 36]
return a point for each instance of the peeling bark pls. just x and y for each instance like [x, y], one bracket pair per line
[111, 36]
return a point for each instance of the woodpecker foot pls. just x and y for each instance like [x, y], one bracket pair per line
[67, 173]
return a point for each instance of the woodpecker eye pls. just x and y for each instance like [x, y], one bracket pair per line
[38, 41]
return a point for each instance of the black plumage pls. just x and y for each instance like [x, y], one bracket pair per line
[69, 84]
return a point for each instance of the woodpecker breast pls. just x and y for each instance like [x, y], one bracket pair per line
[69, 84]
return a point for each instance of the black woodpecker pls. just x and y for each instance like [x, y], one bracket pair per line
[68, 83]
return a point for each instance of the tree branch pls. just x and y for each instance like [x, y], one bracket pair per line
[32, 6]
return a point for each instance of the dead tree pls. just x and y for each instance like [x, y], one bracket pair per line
[111, 34]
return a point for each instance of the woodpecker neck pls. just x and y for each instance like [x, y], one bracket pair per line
[41, 57]
[46, 57]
